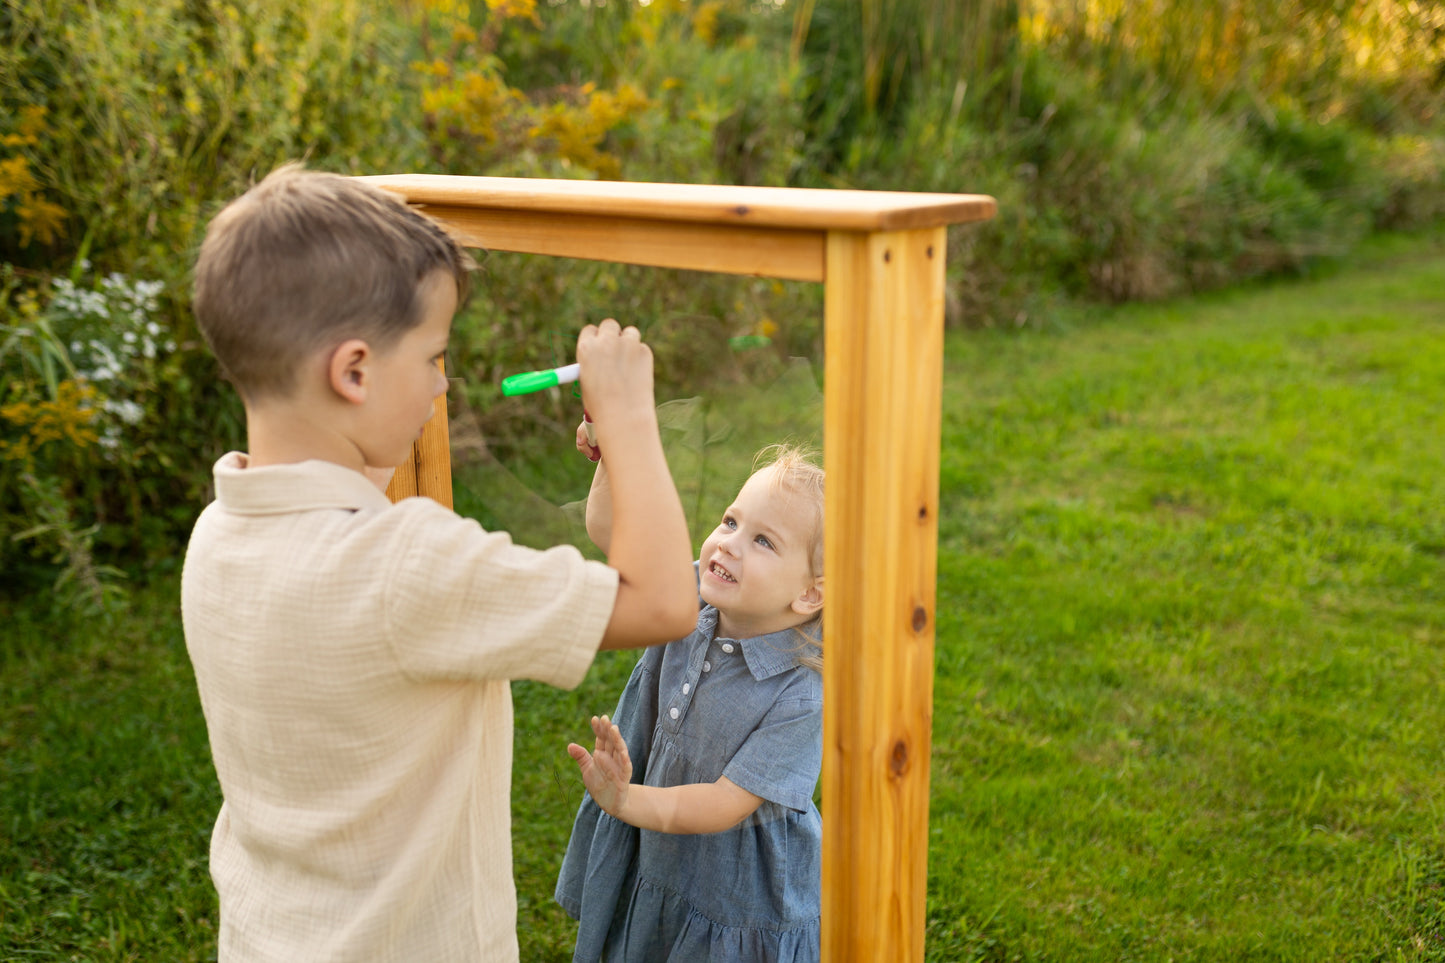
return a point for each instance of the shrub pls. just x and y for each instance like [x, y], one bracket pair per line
[123, 127]
[75, 367]
[665, 92]
[157, 109]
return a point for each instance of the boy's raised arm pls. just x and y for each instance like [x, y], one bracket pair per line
[599, 500]
[648, 544]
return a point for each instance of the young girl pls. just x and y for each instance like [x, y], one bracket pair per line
[698, 839]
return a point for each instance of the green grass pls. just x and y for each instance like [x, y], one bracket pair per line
[1188, 701]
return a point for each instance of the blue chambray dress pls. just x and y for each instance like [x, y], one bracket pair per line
[694, 710]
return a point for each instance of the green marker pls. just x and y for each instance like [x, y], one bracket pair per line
[530, 381]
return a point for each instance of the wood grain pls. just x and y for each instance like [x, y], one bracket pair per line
[884, 379]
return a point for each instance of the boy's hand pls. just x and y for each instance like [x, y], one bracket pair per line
[616, 370]
[647, 543]
[607, 769]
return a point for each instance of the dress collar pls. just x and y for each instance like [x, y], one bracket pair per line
[297, 487]
[767, 655]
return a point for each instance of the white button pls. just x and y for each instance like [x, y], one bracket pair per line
[728, 647]
[686, 688]
[707, 667]
[672, 712]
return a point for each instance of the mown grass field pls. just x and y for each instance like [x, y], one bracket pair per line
[1188, 702]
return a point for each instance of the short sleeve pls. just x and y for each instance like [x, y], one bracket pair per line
[464, 603]
[781, 759]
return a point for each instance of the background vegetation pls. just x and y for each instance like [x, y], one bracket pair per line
[1137, 151]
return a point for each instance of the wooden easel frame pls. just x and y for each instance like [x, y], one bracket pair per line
[880, 256]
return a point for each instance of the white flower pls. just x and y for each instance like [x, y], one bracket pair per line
[126, 410]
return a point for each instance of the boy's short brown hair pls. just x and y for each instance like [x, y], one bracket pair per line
[304, 260]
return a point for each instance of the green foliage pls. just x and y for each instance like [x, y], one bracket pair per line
[158, 110]
[25, 214]
[671, 92]
[1137, 151]
[123, 127]
[91, 373]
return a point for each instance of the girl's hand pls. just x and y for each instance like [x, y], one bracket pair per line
[607, 769]
[616, 373]
[584, 445]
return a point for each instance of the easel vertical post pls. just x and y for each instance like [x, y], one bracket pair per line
[883, 319]
[429, 470]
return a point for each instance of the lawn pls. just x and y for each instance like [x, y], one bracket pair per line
[1188, 702]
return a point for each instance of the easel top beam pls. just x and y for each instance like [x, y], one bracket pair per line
[794, 208]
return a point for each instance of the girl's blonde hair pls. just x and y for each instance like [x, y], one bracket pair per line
[794, 469]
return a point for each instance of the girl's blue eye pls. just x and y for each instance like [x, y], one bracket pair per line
[763, 541]
[728, 522]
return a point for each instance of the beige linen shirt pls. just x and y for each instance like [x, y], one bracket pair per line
[353, 659]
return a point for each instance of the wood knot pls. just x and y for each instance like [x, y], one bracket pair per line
[930, 251]
[898, 759]
[923, 513]
[887, 256]
[742, 210]
[920, 618]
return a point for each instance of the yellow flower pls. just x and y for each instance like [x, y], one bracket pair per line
[70, 416]
[704, 22]
[15, 177]
[515, 9]
[39, 219]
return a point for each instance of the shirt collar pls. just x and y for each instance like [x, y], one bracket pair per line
[296, 487]
[768, 655]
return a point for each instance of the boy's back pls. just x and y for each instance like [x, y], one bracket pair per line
[352, 656]
[352, 659]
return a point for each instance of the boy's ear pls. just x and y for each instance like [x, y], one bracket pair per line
[348, 370]
[811, 600]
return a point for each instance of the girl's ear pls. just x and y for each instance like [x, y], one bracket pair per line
[348, 370]
[811, 601]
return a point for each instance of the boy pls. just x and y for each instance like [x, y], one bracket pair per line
[353, 656]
